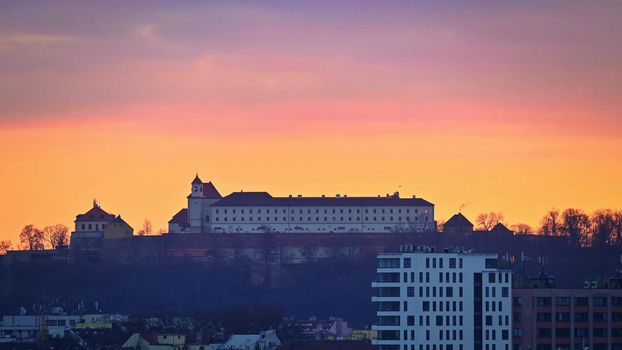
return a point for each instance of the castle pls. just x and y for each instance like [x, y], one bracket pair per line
[254, 212]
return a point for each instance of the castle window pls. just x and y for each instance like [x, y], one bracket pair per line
[83, 226]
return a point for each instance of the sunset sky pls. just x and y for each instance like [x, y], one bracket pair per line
[503, 106]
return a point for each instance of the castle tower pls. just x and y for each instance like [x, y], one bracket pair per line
[202, 195]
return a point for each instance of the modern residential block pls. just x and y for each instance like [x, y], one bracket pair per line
[451, 300]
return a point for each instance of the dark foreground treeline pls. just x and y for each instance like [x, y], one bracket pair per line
[323, 288]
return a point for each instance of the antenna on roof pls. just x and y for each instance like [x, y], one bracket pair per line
[95, 204]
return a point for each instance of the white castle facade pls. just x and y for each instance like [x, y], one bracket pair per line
[253, 212]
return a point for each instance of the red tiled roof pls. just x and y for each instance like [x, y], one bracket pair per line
[95, 214]
[180, 218]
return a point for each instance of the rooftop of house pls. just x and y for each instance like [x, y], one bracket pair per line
[95, 214]
[458, 220]
[265, 199]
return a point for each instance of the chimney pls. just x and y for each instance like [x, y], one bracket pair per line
[299, 196]
[323, 196]
[337, 195]
[290, 196]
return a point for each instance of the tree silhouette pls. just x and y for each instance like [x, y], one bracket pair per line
[57, 236]
[31, 238]
[603, 224]
[522, 229]
[486, 221]
[147, 228]
[4, 247]
[575, 225]
[549, 226]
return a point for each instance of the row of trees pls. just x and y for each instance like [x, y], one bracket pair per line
[601, 228]
[33, 238]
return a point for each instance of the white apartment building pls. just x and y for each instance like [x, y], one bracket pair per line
[454, 300]
[250, 212]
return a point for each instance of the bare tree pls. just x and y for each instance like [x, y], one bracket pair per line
[5, 246]
[31, 238]
[617, 228]
[522, 229]
[57, 236]
[575, 224]
[603, 225]
[550, 224]
[147, 228]
[486, 221]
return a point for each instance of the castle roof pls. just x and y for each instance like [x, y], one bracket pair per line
[95, 214]
[210, 191]
[180, 218]
[458, 220]
[118, 220]
[197, 180]
[265, 199]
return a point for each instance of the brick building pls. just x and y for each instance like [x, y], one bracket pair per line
[556, 318]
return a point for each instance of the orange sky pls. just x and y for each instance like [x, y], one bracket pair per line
[504, 107]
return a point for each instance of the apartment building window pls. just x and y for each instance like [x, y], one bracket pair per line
[599, 332]
[505, 292]
[599, 316]
[460, 266]
[616, 301]
[543, 301]
[581, 332]
[562, 301]
[581, 317]
[599, 301]
[452, 263]
[407, 263]
[491, 277]
[425, 306]
[563, 317]
[544, 332]
[581, 301]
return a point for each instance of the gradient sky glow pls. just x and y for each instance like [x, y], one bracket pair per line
[507, 106]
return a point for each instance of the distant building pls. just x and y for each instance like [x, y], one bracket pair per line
[117, 228]
[458, 224]
[155, 341]
[95, 226]
[266, 340]
[248, 212]
[442, 301]
[564, 319]
[27, 328]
